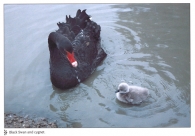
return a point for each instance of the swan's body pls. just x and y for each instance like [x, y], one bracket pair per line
[75, 50]
[131, 94]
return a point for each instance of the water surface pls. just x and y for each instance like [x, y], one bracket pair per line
[147, 45]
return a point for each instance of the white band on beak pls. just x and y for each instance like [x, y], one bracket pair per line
[75, 64]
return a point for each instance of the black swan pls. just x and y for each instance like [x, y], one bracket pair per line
[75, 50]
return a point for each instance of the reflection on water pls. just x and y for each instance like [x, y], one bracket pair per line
[147, 45]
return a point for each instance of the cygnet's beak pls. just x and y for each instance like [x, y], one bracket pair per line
[116, 91]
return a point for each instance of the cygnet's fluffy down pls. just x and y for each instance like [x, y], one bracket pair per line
[131, 94]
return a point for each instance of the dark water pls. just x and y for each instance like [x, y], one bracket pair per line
[147, 45]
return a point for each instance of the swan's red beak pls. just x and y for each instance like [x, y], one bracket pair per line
[71, 58]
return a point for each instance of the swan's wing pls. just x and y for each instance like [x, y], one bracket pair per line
[129, 100]
[127, 97]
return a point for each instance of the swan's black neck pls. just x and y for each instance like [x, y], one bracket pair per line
[57, 40]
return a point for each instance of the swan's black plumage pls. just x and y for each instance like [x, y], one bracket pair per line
[81, 36]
